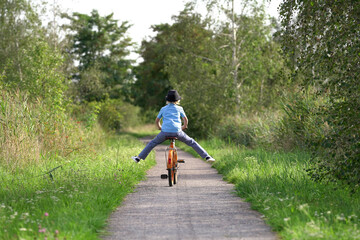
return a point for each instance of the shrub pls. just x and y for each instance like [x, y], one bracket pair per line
[116, 115]
[325, 50]
[304, 124]
[234, 130]
[339, 150]
[86, 113]
[250, 130]
[40, 75]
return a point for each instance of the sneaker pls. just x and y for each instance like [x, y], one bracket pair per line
[210, 159]
[136, 159]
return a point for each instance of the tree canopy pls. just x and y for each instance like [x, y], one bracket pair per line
[196, 56]
[27, 61]
[152, 81]
[99, 45]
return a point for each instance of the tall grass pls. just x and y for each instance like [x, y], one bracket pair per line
[30, 131]
[298, 121]
[251, 129]
[60, 177]
[74, 200]
[277, 185]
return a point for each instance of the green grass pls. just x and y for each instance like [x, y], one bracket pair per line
[276, 184]
[76, 203]
[142, 131]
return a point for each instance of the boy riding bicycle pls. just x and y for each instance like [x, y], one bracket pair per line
[172, 114]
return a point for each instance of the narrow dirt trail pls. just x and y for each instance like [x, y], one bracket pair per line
[200, 206]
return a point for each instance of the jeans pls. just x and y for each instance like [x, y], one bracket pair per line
[182, 136]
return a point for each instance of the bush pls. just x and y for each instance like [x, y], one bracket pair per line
[86, 113]
[116, 115]
[149, 115]
[339, 150]
[325, 50]
[234, 130]
[250, 130]
[111, 114]
[304, 124]
[40, 75]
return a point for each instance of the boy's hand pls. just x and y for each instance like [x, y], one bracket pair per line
[158, 124]
[186, 122]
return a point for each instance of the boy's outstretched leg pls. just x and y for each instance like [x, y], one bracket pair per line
[161, 137]
[182, 136]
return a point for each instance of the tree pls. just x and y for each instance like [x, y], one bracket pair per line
[238, 72]
[16, 18]
[246, 46]
[27, 62]
[152, 81]
[323, 37]
[100, 43]
[195, 56]
[176, 57]
[197, 74]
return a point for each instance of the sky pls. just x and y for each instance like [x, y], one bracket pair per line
[140, 13]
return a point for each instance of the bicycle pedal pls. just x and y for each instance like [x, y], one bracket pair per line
[181, 161]
[164, 176]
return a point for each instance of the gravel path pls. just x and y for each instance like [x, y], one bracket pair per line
[200, 206]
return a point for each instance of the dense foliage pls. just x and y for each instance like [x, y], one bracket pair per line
[27, 60]
[100, 45]
[323, 40]
[152, 81]
[298, 88]
[197, 75]
[195, 55]
[38, 119]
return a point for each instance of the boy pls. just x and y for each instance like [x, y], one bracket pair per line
[171, 127]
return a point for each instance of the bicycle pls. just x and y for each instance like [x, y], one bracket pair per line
[172, 162]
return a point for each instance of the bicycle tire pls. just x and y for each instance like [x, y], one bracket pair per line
[175, 167]
[171, 177]
[175, 175]
[171, 167]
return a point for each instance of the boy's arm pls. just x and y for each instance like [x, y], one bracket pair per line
[186, 121]
[158, 124]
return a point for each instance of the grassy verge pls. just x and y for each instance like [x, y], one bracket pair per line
[74, 201]
[276, 184]
[143, 130]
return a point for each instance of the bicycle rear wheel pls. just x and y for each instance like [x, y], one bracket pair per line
[175, 175]
[171, 176]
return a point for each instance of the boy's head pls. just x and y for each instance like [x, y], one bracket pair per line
[173, 96]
